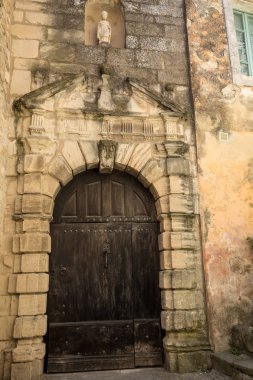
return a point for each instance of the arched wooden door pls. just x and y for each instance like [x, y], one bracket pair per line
[104, 298]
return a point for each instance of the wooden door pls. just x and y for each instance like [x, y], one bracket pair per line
[104, 299]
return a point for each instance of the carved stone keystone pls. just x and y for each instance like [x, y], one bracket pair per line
[107, 151]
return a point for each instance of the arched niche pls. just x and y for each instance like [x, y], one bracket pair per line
[93, 10]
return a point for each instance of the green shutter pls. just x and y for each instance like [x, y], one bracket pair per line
[244, 34]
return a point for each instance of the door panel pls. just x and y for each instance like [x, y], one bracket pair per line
[147, 342]
[75, 346]
[104, 298]
[146, 270]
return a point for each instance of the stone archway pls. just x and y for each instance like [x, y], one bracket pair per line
[60, 141]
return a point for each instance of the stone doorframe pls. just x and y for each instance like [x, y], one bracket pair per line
[50, 154]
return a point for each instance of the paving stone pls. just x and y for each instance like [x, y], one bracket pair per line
[137, 374]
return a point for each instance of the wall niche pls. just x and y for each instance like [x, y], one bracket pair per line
[116, 19]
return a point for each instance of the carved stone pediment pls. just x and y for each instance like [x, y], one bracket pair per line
[100, 107]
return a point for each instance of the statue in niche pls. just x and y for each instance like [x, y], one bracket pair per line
[104, 31]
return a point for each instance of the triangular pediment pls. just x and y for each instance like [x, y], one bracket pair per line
[101, 95]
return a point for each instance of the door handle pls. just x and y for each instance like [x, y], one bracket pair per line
[106, 252]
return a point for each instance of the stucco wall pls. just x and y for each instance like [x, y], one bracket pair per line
[225, 170]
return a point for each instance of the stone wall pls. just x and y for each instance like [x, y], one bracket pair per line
[49, 37]
[225, 170]
[6, 320]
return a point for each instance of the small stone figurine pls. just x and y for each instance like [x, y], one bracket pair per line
[104, 31]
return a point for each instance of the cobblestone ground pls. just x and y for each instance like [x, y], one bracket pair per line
[138, 374]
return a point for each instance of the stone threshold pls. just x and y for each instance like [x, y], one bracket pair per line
[237, 366]
[137, 374]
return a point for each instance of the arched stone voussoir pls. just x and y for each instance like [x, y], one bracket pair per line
[59, 169]
[139, 158]
[123, 155]
[90, 152]
[50, 186]
[74, 157]
[152, 171]
[163, 205]
[160, 187]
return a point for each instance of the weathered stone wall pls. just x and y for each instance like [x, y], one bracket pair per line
[225, 170]
[6, 318]
[49, 36]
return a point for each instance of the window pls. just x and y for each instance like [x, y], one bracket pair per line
[239, 24]
[244, 34]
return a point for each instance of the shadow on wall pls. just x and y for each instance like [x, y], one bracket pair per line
[93, 11]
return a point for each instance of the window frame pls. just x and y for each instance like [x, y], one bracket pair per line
[245, 30]
[229, 7]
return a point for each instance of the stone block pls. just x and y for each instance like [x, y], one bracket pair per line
[25, 48]
[89, 55]
[90, 152]
[182, 259]
[154, 43]
[165, 223]
[28, 352]
[29, 327]
[73, 156]
[47, 205]
[132, 42]
[32, 304]
[4, 278]
[35, 242]
[165, 279]
[32, 204]
[32, 183]
[34, 263]
[119, 57]
[181, 203]
[27, 371]
[180, 320]
[167, 300]
[28, 32]
[66, 35]
[151, 172]
[6, 327]
[178, 166]
[11, 170]
[141, 155]
[32, 283]
[150, 59]
[59, 169]
[34, 163]
[182, 240]
[185, 299]
[184, 279]
[35, 225]
[50, 186]
[163, 205]
[45, 19]
[123, 154]
[194, 361]
[164, 241]
[166, 259]
[178, 184]
[18, 16]
[12, 284]
[20, 82]
[160, 188]
[5, 305]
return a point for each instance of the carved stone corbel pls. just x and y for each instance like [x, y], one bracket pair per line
[107, 151]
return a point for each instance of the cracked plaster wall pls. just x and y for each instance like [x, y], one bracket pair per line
[225, 170]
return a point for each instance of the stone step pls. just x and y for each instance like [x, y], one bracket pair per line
[239, 367]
